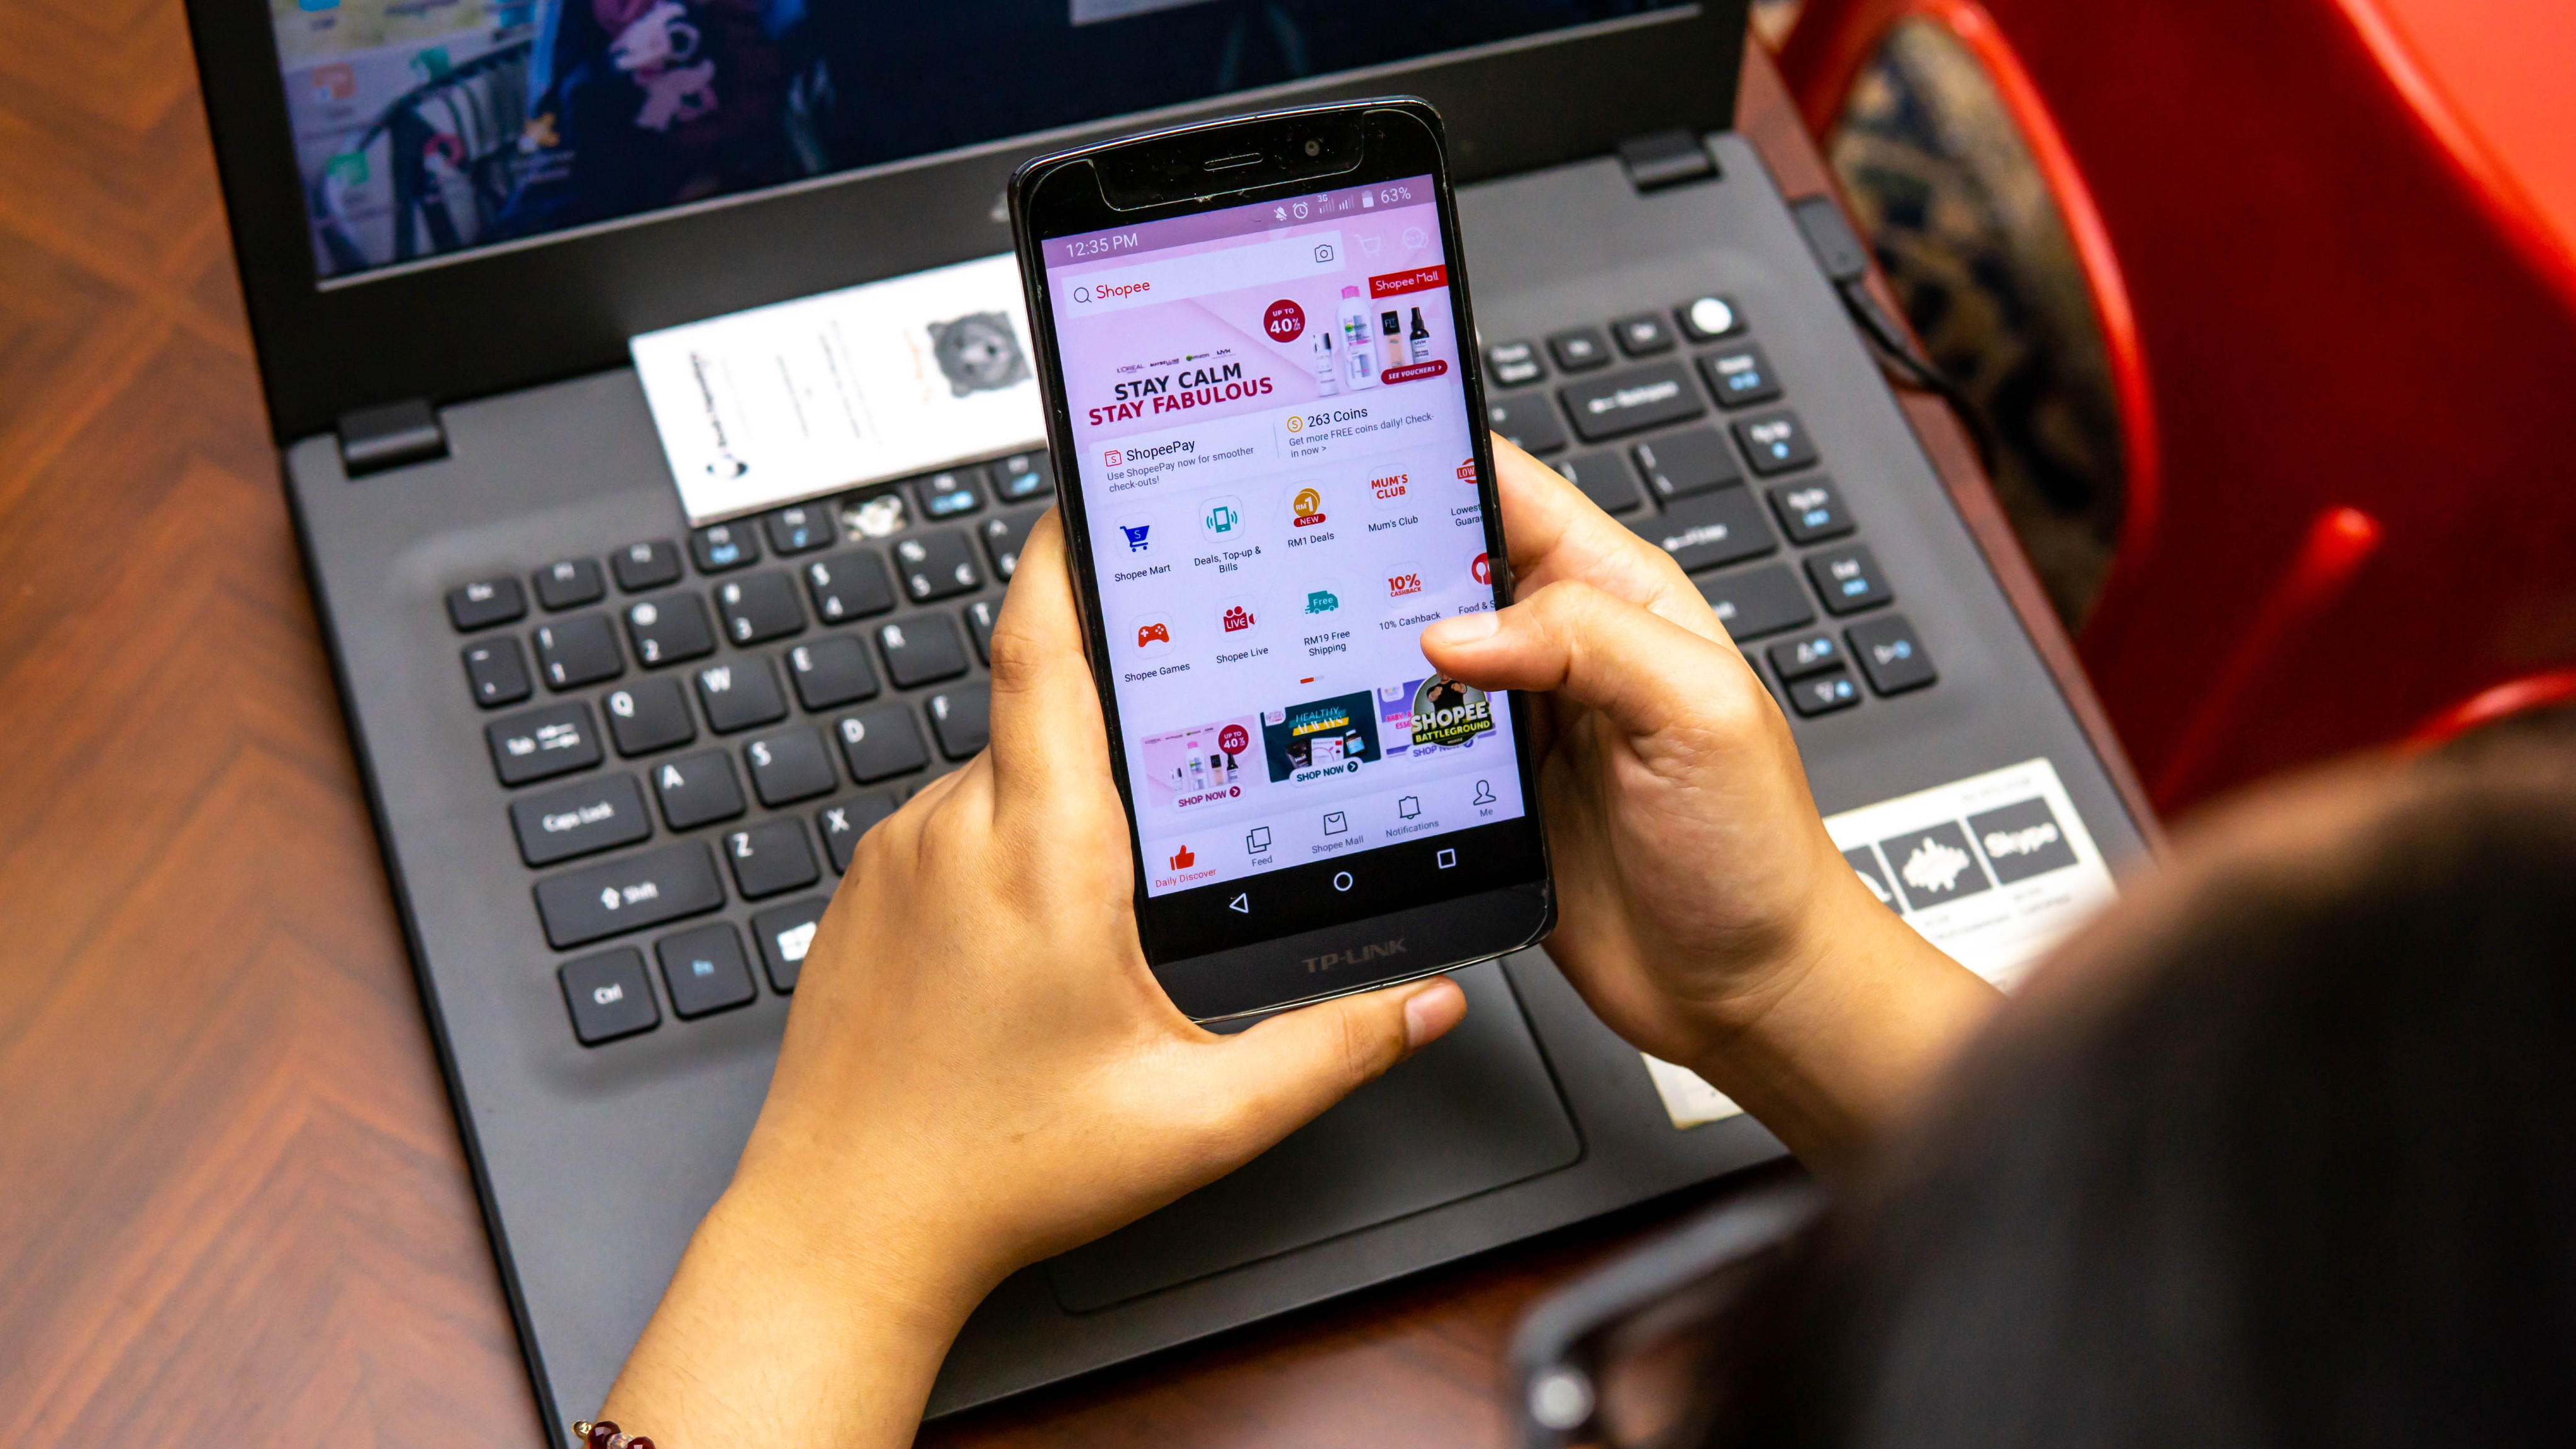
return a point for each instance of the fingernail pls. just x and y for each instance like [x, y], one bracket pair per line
[1432, 1011]
[1465, 629]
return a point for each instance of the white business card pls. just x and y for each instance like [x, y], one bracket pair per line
[1995, 870]
[787, 402]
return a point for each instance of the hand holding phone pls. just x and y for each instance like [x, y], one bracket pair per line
[979, 1071]
[1257, 355]
[1707, 916]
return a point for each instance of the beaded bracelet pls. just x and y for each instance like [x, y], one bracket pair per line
[604, 1435]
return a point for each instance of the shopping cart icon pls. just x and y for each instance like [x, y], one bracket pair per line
[1135, 536]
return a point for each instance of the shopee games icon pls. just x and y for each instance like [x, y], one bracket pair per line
[1153, 636]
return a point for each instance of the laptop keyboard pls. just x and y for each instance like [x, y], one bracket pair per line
[1677, 425]
[729, 714]
[703, 728]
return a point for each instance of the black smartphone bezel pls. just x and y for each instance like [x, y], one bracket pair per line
[1372, 940]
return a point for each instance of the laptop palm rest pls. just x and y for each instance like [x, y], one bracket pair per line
[1474, 1111]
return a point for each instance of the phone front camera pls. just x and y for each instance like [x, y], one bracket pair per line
[1314, 148]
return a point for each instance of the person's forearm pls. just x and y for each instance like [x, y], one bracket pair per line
[1847, 1037]
[779, 1330]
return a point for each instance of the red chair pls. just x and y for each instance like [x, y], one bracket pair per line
[2343, 344]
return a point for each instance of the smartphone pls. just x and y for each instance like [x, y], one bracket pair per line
[1263, 400]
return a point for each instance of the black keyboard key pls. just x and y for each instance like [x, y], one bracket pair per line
[935, 565]
[721, 546]
[1811, 652]
[570, 583]
[582, 819]
[963, 720]
[485, 602]
[586, 905]
[668, 629]
[1694, 460]
[785, 934]
[831, 671]
[641, 566]
[648, 715]
[740, 693]
[1811, 511]
[577, 651]
[1848, 579]
[921, 650]
[1024, 476]
[771, 858]
[1643, 336]
[609, 996]
[951, 494]
[1527, 422]
[802, 528]
[1626, 402]
[980, 616]
[881, 743]
[789, 766]
[1740, 375]
[1579, 349]
[704, 971]
[697, 790]
[1710, 530]
[1823, 693]
[1513, 364]
[1003, 537]
[497, 672]
[1776, 443]
[543, 743]
[1892, 654]
[849, 585]
[759, 606]
[1605, 478]
[842, 824]
[1755, 602]
[1708, 318]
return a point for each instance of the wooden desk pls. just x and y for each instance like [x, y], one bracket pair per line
[233, 1206]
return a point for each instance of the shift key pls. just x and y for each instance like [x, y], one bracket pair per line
[628, 895]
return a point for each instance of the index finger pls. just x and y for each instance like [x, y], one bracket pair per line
[1556, 535]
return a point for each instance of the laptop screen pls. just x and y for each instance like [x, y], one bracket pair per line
[426, 128]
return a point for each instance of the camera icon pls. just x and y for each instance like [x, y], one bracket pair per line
[1324, 255]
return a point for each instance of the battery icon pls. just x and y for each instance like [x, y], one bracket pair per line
[1367, 200]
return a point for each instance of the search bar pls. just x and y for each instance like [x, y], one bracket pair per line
[1143, 284]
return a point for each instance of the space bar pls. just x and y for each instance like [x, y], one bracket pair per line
[628, 895]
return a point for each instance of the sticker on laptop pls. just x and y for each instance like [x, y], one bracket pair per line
[1995, 870]
[783, 403]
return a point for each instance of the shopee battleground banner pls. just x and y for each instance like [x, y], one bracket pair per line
[1285, 344]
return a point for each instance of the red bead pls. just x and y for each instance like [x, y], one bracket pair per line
[639, 1442]
[602, 1434]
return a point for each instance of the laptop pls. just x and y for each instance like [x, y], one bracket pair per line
[618, 757]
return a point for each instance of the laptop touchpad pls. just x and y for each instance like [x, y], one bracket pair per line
[1473, 1111]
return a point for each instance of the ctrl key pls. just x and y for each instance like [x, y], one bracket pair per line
[609, 996]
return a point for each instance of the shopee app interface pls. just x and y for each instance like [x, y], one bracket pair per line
[1275, 457]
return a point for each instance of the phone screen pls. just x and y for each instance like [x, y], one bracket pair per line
[1274, 450]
